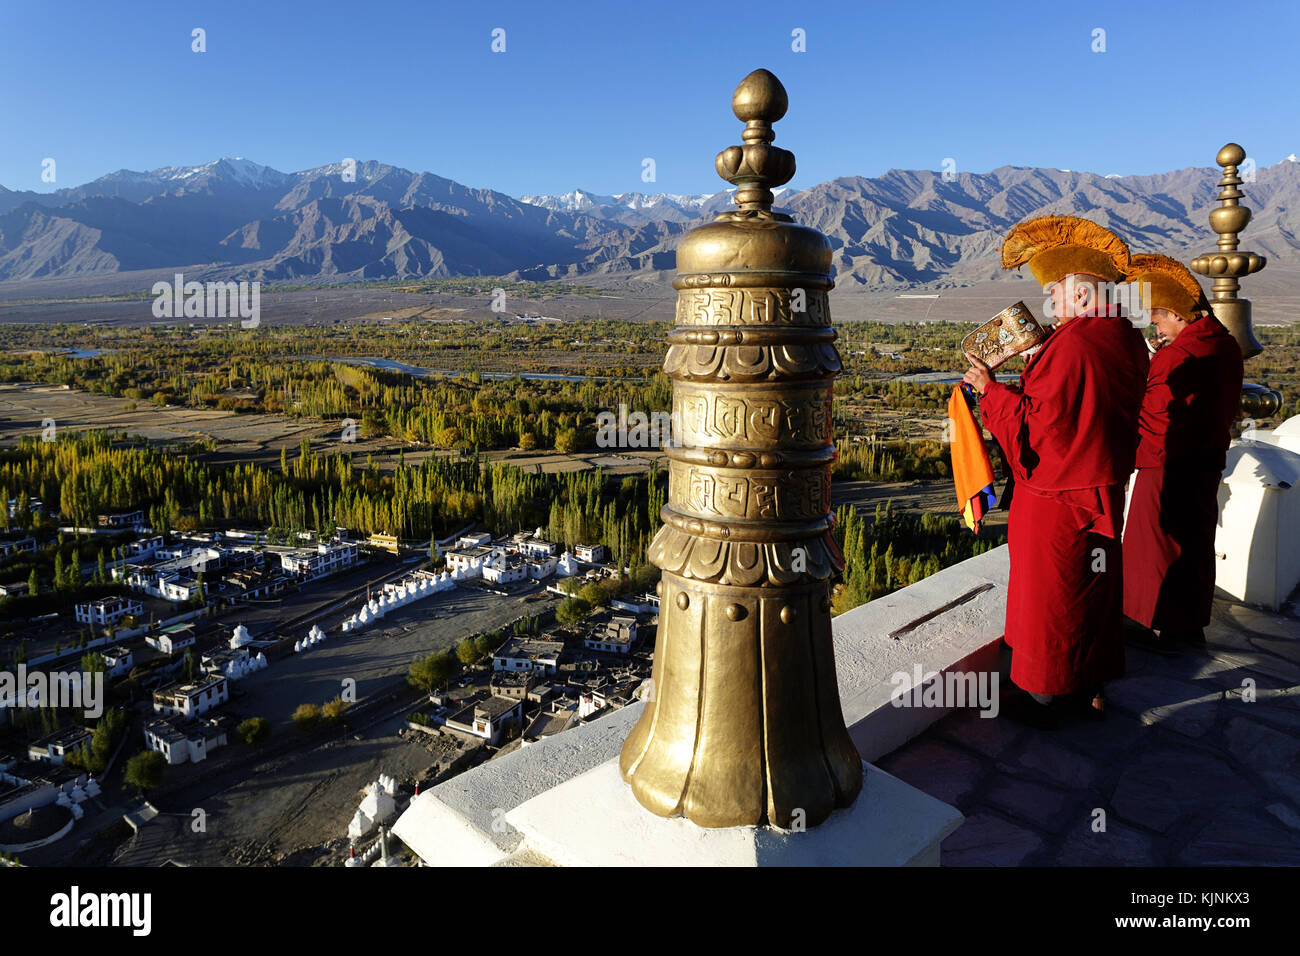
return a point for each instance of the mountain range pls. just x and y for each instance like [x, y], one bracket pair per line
[233, 218]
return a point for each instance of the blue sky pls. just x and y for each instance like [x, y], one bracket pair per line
[585, 91]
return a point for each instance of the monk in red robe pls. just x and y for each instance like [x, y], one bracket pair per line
[1193, 396]
[1069, 435]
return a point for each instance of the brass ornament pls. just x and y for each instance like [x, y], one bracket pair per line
[744, 726]
[1228, 266]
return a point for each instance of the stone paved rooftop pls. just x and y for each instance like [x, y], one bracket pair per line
[1185, 768]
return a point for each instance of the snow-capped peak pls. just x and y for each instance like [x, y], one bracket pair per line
[579, 199]
[243, 171]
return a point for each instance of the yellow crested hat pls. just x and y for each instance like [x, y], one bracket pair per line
[1057, 246]
[1168, 284]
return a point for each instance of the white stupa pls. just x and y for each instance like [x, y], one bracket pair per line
[377, 806]
[240, 638]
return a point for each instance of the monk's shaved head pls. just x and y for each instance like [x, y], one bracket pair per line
[1074, 295]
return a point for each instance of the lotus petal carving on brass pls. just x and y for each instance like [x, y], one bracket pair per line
[744, 724]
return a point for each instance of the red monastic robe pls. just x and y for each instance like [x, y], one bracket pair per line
[1193, 395]
[1069, 434]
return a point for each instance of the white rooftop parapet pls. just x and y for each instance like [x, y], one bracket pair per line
[950, 622]
[1286, 435]
[1259, 512]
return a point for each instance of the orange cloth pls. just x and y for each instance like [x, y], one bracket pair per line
[972, 472]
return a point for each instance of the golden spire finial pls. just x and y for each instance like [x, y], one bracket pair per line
[745, 725]
[1228, 266]
[756, 167]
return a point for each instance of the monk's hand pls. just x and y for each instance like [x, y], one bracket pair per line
[977, 376]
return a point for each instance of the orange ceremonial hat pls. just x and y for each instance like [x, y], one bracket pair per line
[1057, 246]
[1168, 284]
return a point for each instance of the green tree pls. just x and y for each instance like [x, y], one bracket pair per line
[566, 441]
[145, 770]
[485, 644]
[571, 610]
[306, 717]
[254, 730]
[430, 673]
[332, 712]
[107, 733]
[467, 651]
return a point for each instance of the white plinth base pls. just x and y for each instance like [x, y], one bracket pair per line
[593, 820]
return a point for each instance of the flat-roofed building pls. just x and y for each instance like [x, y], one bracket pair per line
[615, 635]
[522, 654]
[591, 553]
[169, 640]
[193, 699]
[538, 547]
[108, 610]
[54, 748]
[143, 547]
[387, 542]
[325, 558]
[512, 686]
[504, 568]
[12, 546]
[541, 568]
[489, 718]
[181, 740]
[252, 584]
[468, 559]
[122, 519]
[550, 721]
[120, 660]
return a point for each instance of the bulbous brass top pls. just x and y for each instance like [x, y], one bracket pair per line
[1230, 155]
[755, 167]
[760, 96]
[754, 238]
